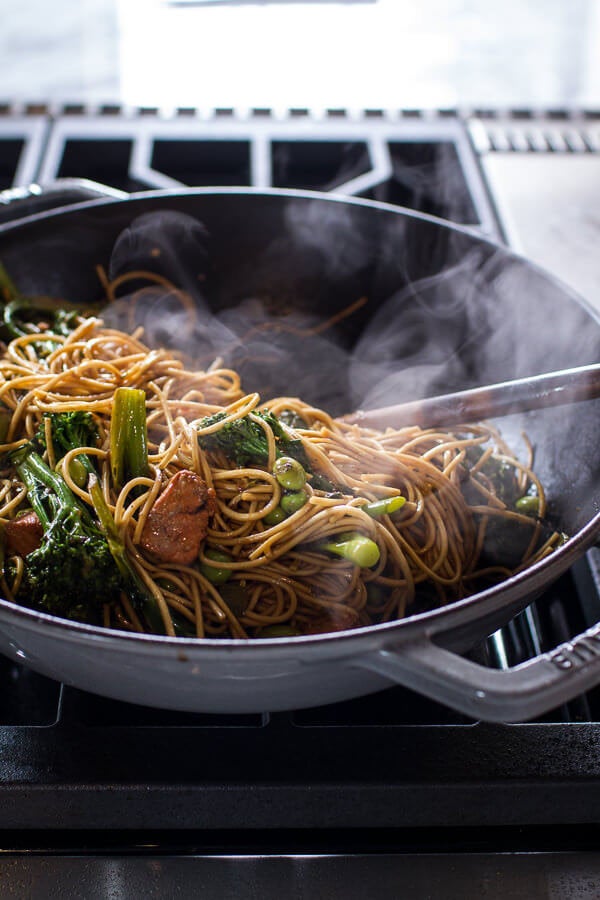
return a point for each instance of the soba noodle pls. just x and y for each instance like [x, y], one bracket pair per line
[284, 582]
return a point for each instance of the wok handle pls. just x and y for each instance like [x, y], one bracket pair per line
[494, 695]
[31, 199]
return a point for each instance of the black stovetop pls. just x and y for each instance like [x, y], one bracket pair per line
[391, 760]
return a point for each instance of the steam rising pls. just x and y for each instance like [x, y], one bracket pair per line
[436, 316]
[169, 243]
[415, 343]
[280, 345]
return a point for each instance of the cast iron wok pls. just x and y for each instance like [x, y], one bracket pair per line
[446, 310]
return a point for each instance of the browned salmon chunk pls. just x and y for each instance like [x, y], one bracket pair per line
[23, 535]
[178, 521]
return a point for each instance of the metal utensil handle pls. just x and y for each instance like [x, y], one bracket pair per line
[534, 392]
[30, 199]
[494, 695]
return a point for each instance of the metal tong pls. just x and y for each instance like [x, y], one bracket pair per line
[492, 400]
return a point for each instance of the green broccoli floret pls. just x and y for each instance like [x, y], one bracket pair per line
[106, 568]
[72, 429]
[244, 443]
[241, 441]
[73, 573]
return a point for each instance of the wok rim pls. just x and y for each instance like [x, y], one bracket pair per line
[514, 587]
[540, 574]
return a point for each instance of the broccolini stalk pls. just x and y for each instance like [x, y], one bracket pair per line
[69, 430]
[355, 547]
[117, 548]
[72, 574]
[47, 492]
[128, 436]
[385, 507]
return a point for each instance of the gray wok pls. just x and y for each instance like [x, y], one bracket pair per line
[446, 310]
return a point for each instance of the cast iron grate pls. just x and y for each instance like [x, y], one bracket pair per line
[318, 165]
[390, 759]
[10, 154]
[21, 147]
[424, 164]
[195, 162]
[428, 177]
[105, 161]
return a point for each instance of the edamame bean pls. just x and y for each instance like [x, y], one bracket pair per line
[528, 505]
[274, 517]
[292, 502]
[289, 473]
[215, 574]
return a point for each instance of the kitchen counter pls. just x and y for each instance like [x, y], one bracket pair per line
[550, 206]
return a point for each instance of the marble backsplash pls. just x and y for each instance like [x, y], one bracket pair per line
[389, 53]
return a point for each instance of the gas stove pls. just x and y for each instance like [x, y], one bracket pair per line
[391, 787]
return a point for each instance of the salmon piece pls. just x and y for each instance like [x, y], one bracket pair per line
[178, 521]
[23, 535]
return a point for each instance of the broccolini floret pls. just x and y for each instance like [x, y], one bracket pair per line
[75, 428]
[72, 574]
[96, 567]
[243, 442]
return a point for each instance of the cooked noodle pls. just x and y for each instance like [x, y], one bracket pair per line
[430, 550]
